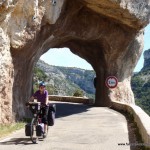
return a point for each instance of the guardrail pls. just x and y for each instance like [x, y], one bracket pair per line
[72, 99]
[140, 117]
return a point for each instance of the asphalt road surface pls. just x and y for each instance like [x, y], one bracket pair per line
[77, 127]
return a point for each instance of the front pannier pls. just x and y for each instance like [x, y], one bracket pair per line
[51, 114]
[28, 129]
[40, 129]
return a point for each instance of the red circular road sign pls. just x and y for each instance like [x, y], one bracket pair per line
[111, 82]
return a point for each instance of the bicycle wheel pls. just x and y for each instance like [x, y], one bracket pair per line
[33, 136]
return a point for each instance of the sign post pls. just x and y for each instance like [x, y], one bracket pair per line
[111, 82]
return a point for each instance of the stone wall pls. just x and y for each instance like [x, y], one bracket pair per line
[140, 118]
[71, 99]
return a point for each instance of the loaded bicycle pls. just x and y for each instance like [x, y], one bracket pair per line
[35, 129]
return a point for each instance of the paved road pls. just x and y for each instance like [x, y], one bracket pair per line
[77, 127]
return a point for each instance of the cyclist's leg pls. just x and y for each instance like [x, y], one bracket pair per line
[44, 118]
[46, 121]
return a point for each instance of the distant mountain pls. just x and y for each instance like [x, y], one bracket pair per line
[65, 80]
[146, 60]
[82, 78]
[141, 84]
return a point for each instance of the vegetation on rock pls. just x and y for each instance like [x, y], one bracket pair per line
[140, 84]
[78, 93]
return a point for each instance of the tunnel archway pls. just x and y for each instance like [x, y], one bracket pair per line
[96, 52]
[111, 40]
[100, 52]
[65, 73]
[89, 50]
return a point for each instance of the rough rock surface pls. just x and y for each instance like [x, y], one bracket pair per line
[106, 33]
[146, 60]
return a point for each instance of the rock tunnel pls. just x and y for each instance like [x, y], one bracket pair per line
[106, 33]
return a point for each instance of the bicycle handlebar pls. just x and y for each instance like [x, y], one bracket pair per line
[33, 103]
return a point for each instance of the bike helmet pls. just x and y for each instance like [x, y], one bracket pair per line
[41, 84]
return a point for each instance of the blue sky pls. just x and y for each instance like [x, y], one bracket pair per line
[146, 47]
[63, 56]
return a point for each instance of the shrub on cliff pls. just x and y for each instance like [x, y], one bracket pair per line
[78, 93]
[140, 84]
[39, 74]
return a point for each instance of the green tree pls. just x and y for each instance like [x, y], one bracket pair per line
[141, 88]
[40, 74]
[78, 93]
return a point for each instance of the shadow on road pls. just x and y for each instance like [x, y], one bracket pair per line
[62, 110]
[17, 141]
[67, 109]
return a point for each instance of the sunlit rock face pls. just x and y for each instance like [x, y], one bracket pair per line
[146, 60]
[106, 33]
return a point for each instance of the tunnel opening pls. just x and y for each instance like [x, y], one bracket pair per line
[64, 74]
[95, 52]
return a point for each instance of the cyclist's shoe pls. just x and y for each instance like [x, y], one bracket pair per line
[44, 135]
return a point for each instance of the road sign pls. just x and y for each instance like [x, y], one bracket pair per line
[111, 82]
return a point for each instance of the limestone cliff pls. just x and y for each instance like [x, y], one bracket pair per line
[65, 81]
[106, 33]
[141, 84]
[146, 60]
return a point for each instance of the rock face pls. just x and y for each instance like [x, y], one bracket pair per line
[65, 81]
[107, 33]
[146, 60]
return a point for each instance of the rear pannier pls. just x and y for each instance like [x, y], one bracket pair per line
[28, 130]
[51, 114]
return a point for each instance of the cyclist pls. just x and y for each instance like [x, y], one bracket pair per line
[42, 96]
